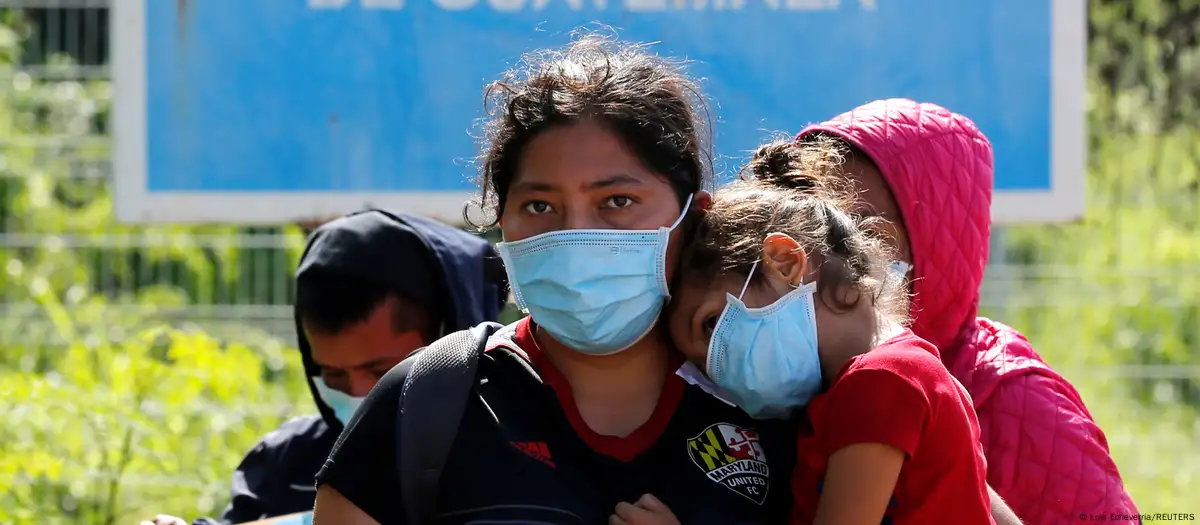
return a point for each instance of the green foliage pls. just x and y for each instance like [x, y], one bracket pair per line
[113, 410]
[121, 431]
[1142, 218]
[119, 423]
[1146, 52]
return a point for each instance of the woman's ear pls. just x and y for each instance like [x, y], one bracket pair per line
[702, 200]
[784, 258]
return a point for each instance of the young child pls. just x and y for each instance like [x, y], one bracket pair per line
[786, 302]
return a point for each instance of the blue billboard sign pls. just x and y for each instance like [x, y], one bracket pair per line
[277, 110]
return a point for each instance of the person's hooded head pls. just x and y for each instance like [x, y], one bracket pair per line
[928, 171]
[374, 286]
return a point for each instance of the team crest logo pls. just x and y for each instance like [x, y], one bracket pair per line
[732, 456]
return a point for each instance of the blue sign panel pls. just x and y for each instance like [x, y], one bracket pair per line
[274, 110]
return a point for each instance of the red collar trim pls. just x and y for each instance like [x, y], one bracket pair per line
[620, 448]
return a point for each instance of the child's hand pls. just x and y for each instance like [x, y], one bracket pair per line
[648, 510]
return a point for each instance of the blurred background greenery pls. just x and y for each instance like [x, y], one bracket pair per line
[137, 365]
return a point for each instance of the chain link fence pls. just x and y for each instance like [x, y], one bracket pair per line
[59, 96]
[1115, 305]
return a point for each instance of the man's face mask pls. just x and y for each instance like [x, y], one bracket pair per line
[344, 405]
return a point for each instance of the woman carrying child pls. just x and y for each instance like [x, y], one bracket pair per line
[928, 173]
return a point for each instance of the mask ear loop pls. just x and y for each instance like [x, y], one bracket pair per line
[663, 239]
[686, 205]
[753, 268]
[716, 372]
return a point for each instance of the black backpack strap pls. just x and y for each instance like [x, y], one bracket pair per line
[432, 403]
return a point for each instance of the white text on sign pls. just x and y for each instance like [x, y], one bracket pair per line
[641, 6]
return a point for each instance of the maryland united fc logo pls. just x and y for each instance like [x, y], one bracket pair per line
[731, 456]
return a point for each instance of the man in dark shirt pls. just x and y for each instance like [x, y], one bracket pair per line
[371, 288]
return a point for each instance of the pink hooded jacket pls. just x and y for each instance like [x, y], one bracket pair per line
[1045, 455]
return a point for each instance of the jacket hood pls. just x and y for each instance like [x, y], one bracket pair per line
[939, 168]
[428, 262]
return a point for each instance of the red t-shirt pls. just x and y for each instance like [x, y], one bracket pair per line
[899, 394]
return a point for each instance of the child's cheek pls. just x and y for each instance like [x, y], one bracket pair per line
[699, 357]
[696, 352]
[691, 347]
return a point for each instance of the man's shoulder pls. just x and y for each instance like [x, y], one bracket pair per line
[302, 425]
[311, 428]
[291, 453]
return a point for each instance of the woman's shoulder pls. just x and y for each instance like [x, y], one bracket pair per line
[995, 353]
[504, 337]
[516, 337]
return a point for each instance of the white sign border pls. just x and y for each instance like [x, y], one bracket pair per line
[1065, 201]
[135, 205]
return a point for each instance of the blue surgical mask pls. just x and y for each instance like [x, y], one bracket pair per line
[765, 359]
[343, 404]
[596, 291]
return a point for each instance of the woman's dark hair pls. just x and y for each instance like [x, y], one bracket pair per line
[798, 191]
[645, 99]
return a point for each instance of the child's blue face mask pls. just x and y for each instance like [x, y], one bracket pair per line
[596, 291]
[765, 359]
[343, 404]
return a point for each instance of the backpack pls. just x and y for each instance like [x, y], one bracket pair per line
[440, 379]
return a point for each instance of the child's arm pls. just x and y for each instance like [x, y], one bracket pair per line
[859, 481]
[877, 413]
[1001, 513]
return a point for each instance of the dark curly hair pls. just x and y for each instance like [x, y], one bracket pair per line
[645, 99]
